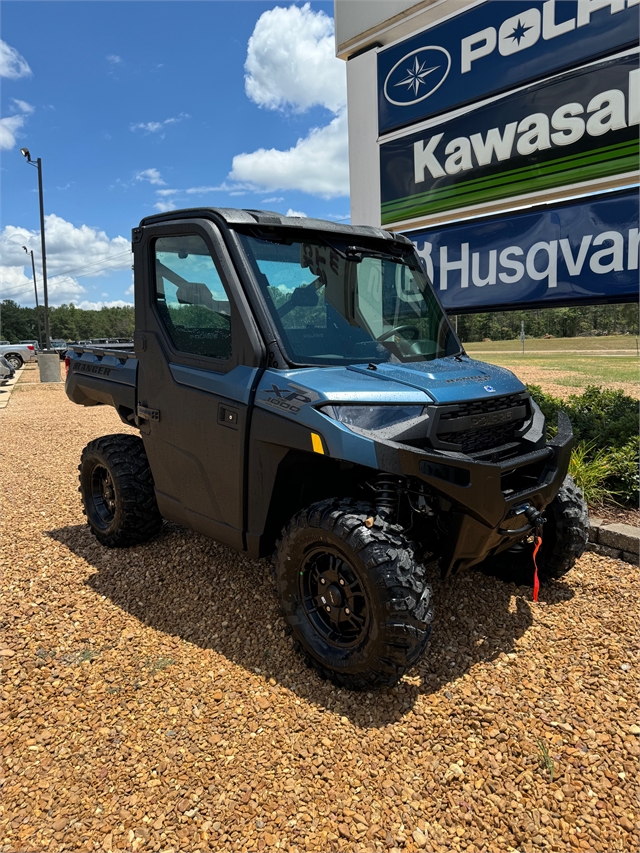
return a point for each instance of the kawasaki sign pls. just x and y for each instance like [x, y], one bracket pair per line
[577, 252]
[494, 47]
[578, 127]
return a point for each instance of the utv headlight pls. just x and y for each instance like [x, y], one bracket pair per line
[373, 417]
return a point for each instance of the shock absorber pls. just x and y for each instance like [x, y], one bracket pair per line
[386, 495]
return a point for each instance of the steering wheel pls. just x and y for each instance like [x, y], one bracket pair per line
[407, 327]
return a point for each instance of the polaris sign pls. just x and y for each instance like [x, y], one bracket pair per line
[576, 128]
[493, 47]
[567, 254]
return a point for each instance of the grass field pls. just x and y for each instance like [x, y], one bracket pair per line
[564, 366]
[606, 345]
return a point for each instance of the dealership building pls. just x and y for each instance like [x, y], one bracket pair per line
[501, 137]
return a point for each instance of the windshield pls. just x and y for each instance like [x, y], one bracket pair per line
[335, 303]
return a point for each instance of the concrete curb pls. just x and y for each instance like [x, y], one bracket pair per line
[620, 541]
[5, 390]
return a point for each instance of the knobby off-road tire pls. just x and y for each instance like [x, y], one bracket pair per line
[117, 491]
[565, 533]
[355, 597]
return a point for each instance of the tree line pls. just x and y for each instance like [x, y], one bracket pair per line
[559, 322]
[18, 323]
[66, 322]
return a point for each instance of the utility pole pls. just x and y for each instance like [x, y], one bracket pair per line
[522, 335]
[38, 164]
[35, 290]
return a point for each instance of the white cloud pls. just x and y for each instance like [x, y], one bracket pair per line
[10, 125]
[8, 128]
[166, 192]
[151, 175]
[317, 164]
[163, 206]
[96, 306]
[291, 64]
[298, 213]
[114, 59]
[155, 126]
[72, 253]
[273, 200]
[223, 187]
[23, 106]
[291, 61]
[12, 65]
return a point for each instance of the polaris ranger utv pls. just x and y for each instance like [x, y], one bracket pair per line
[300, 391]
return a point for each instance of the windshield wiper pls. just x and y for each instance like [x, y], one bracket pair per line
[357, 253]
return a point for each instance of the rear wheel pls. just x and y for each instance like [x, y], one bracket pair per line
[15, 360]
[354, 595]
[117, 491]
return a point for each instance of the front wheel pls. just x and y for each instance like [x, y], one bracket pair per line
[353, 594]
[565, 533]
[117, 491]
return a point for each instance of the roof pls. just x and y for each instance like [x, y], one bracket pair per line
[237, 216]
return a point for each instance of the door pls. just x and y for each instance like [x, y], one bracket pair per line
[198, 354]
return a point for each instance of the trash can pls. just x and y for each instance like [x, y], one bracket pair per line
[49, 364]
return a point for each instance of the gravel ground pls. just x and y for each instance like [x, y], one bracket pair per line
[152, 702]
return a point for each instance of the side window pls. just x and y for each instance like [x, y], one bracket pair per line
[190, 297]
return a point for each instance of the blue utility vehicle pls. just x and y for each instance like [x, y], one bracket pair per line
[299, 391]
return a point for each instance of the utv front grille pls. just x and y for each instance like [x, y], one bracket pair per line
[482, 424]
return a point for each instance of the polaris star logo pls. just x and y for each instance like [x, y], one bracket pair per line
[417, 75]
[489, 388]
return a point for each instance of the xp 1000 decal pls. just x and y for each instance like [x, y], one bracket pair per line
[579, 127]
[493, 47]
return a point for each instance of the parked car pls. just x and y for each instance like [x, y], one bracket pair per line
[7, 372]
[18, 354]
[36, 344]
[60, 346]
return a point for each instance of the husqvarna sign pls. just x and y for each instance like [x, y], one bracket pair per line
[576, 252]
[494, 47]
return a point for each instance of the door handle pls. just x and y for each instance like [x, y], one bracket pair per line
[227, 416]
[147, 414]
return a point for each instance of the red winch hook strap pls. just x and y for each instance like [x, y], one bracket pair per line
[536, 582]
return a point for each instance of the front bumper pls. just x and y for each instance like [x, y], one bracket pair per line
[485, 498]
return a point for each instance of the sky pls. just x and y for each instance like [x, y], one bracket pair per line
[140, 107]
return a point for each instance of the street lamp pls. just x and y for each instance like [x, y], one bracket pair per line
[35, 288]
[38, 164]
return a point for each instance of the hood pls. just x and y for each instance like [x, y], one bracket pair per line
[451, 380]
[444, 380]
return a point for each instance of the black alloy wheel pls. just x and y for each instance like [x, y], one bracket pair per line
[333, 598]
[103, 496]
[118, 492]
[353, 593]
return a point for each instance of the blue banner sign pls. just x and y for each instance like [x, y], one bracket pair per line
[493, 47]
[576, 128]
[579, 252]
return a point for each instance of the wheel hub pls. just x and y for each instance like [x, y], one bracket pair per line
[334, 598]
[103, 495]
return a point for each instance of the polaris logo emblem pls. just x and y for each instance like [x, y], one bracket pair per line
[417, 75]
[490, 389]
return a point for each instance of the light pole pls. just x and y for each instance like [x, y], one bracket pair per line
[35, 289]
[38, 164]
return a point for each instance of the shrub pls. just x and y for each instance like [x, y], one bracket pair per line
[591, 471]
[624, 464]
[605, 462]
[601, 415]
